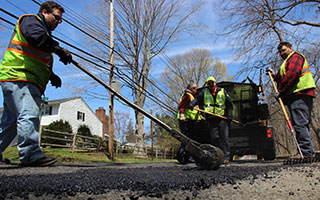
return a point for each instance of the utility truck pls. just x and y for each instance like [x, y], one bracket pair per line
[253, 136]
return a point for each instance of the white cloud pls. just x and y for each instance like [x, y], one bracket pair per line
[184, 47]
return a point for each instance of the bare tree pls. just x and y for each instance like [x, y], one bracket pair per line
[129, 133]
[313, 53]
[196, 65]
[121, 122]
[254, 28]
[143, 29]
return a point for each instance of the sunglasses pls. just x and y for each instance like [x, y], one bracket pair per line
[57, 17]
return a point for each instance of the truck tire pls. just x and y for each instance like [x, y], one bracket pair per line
[269, 155]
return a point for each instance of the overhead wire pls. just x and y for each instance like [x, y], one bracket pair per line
[70, 23]
[157, 87]
[122, 74]
[120, 56]
[79, 19]
[168, 60]
[15, 6]
[102, 33]
[144, 33]
[119, 74]
[79, 29]
[24, 11]
[85, 22]
[7, 27]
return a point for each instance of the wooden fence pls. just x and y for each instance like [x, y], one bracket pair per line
[71, 140]
[165, 154]
[157, 153]
[79, 142]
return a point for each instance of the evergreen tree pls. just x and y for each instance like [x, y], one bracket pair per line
[61, 126]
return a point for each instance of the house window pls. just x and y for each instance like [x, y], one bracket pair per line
[80, 116]
[47, 111]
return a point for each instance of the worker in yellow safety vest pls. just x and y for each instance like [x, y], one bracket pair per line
[24, 73]
[188, 120]
[216, 100]
[296, 88]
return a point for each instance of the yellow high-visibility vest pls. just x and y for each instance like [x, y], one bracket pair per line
[305, 80]
[23, 62]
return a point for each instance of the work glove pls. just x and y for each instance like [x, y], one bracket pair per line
[65, 55]
[182, 117]
[55, 80]
[270, 70]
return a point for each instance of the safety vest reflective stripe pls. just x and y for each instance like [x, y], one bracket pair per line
[305, 67]
[220, 100]
[28, 50]
[25, 62]
[305, 70]
[218, 106]
[305, 79]
[209, 101]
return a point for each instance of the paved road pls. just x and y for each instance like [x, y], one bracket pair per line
[125, 181]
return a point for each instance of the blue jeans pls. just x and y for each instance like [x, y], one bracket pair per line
[21, 117]
[300, 109]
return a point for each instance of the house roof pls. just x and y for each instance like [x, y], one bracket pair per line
[59, 101]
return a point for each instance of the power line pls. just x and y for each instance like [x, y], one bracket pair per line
[161, 52]
[15, 6]
[119, 75]
[116, 53]
[105, 61]
[133, 67]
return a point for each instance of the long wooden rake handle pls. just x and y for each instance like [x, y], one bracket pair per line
[285, 113]
[220, 116]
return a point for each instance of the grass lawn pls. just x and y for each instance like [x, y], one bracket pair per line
[64, 155]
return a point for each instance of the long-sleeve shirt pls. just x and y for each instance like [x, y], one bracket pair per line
[184, 103]
[293, 70]
[35, 32]
[199, 100]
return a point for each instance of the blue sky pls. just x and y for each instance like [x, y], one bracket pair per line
[70, 76]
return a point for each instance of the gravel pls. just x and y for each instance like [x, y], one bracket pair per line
[238, 180]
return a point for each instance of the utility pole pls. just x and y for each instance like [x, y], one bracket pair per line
[151, 130]
[111, 120]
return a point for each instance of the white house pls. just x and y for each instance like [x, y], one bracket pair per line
[74, 110]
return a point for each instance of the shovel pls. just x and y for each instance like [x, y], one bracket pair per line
[216, 115]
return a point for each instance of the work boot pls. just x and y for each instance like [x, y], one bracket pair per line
[4, 161]
[41, 162]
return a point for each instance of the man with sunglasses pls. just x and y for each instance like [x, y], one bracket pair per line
[24, 73]
[296, 88]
